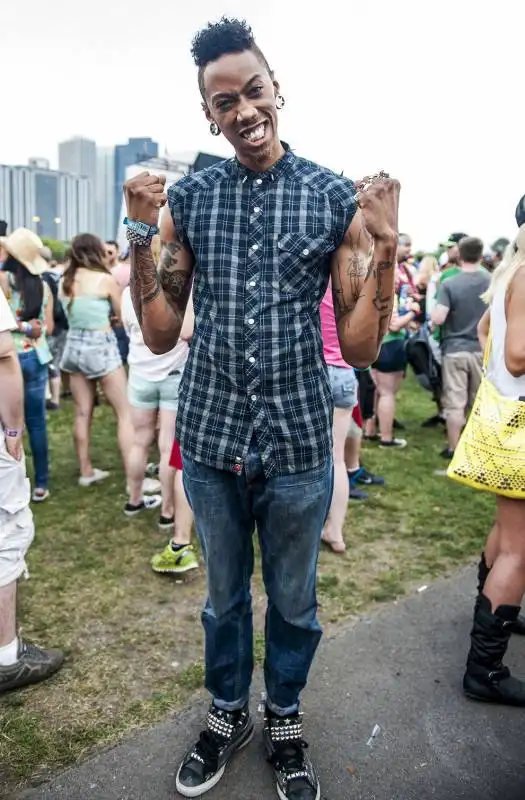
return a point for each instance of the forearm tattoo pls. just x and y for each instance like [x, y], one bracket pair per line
[144, 283]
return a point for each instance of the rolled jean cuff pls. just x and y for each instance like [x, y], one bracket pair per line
[282, 712]
[236, 705]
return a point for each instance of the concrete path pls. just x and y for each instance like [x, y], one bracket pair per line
[401, 670]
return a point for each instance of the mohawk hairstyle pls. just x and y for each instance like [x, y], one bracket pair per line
[221, 38]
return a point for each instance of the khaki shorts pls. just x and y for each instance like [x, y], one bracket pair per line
[16, 520]
[461, 379]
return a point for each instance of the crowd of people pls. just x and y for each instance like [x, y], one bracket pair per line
[236, 376]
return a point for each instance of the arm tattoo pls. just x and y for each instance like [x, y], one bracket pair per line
[175, 282]
[144, 283]
[381, 299]
[351, 272]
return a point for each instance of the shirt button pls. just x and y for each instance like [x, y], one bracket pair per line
[255, 247]
[251, 321]
[305, 251]
[252, 283]
[258, 181]
[254, 397]
[256, 210]
[251, 360]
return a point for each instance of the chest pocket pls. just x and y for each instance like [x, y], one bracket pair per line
[302, 262]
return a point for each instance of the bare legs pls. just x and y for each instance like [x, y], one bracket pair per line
[333, 529]
[388, 384]
[505, 552]
[83, 390]
[84, 398]
[144, 422]
[114, 387]
[7, 614]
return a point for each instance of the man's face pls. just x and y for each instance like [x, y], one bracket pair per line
[404, 248]
[111, 255]
[453, 254]
[240, 98]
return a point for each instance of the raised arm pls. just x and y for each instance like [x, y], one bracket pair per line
[159, 296]
[363, 273]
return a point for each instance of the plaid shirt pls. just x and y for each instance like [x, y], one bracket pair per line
[262, 244]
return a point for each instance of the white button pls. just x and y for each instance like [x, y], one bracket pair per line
[305, 251]
[252, 283]
[258, 181]
[251, 321]
[255, 247]
[254, 397]
[256, 210]
[251, 360]
[238, 459]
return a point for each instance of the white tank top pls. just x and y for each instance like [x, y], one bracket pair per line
[497, 371]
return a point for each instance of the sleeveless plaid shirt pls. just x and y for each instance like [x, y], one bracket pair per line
[262, 244]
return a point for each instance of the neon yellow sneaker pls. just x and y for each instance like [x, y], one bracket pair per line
[175, 562]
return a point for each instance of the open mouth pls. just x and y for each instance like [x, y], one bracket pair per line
[255, 135]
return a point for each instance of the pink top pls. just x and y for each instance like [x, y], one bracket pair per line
[332, 351]
[122, 273]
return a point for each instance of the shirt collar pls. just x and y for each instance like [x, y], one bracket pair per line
[280, 167]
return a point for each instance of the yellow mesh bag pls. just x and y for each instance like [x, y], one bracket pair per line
[491, 452]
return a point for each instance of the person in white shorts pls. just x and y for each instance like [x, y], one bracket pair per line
[153, 393]
[21, 663]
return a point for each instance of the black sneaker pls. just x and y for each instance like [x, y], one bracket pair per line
[363, 477]
[33, 665]
[286, 749]
[203, 766]
[447, 453]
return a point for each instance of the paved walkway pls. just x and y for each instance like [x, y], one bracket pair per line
[400, 670]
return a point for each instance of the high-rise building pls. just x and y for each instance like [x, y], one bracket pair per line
[54, 204]
[135, 151]
[78, 156]
[105, 193]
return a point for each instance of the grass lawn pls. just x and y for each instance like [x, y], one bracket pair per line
[133, 638]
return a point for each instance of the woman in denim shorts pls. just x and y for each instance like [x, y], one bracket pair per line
[89, 295]
[344, 393]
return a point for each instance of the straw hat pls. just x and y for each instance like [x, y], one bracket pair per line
[26, 247]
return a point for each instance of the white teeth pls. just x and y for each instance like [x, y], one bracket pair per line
[255, 134]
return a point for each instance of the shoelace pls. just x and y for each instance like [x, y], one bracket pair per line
[207, 750]
[288, 758]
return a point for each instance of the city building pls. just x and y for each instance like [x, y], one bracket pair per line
[105, 193]
[78, 156]
[54, 204]
[126, 155]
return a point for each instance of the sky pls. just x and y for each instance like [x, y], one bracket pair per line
[432, 93]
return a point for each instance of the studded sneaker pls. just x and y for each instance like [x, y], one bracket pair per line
[295, 774]
[203, 766]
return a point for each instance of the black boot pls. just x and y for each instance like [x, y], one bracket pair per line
[486, 677]
[483, 573]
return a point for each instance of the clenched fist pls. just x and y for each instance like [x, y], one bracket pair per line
[145, 197]
[378, 198]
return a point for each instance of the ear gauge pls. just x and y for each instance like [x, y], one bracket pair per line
[279, 102]
[214, 129]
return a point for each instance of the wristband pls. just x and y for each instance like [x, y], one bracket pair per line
[13, 433]
[26, 327]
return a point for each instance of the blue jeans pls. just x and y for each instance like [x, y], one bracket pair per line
[35, 382]
[289, 512]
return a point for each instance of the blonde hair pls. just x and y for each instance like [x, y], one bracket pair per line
[505, 272]
[428, 267]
